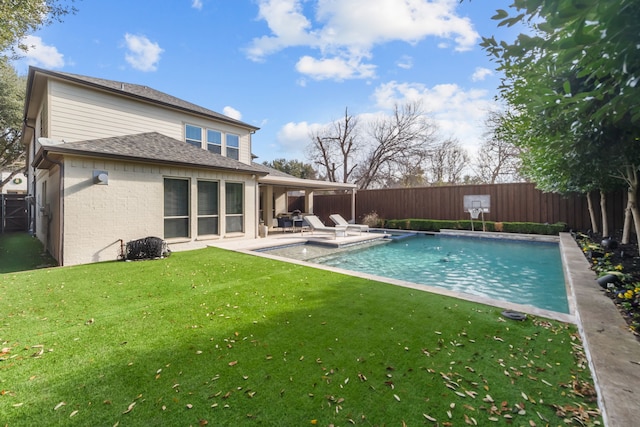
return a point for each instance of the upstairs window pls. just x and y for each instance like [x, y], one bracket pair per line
[193, 135]
[214, 141]
[233, 146]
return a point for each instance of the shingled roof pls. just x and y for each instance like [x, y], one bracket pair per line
[151, 147]
[140, 92]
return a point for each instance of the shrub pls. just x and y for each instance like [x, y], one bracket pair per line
[372, 220]
[507, 227]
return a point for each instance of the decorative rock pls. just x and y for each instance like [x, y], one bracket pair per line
[606, 279]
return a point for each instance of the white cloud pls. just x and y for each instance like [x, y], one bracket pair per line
[459, 113]
[480, 74]
[143, 54]
[334, 68]
[40, 54]
[349, 29]
[405, 62]
[232, 112]
[287, 24]
[293, 138]
[196, 4]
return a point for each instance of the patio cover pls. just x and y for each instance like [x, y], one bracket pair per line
[280, 179]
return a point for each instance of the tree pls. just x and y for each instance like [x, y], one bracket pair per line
[447, 161]
[498, 159]
[574, 79]
[293, 167]
[389, 150]
[333, 148]
[20, 18]
[12, 92]
[398, 143]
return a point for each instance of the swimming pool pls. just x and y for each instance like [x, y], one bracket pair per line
[516, 271]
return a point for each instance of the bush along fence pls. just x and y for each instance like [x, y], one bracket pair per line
[506, 227]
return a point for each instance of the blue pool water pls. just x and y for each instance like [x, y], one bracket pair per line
[520, 272]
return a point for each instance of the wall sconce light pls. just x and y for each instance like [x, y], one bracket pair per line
[100, 177]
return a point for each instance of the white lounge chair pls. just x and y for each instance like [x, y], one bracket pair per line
[339, 220]
[315, 224]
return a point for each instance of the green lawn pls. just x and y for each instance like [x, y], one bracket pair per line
[20, 252]
[220, 338]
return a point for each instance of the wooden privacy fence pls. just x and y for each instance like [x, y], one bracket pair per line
[516, 202]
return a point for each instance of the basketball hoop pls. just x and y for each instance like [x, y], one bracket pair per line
[476, 206]
[475, 212]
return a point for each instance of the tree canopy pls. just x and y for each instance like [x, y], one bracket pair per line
[572, 82]
[383, 151]
[12, 92]
[293, 167]
[20, 18]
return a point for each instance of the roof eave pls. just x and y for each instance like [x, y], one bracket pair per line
[305, 183]
[91, 154]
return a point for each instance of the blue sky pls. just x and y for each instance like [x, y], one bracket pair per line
[289, 66]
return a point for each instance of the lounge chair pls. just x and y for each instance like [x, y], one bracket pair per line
[339, 220]
[315, 224]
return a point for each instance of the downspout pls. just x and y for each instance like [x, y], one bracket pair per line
[61, 208]
[32, 214]
[256, 204]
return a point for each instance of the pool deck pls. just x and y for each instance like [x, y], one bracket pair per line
[612, 351]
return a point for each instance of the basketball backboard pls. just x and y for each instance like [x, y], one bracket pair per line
[477, 202]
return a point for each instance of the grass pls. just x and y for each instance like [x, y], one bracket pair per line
[221, 338]
[20, 252]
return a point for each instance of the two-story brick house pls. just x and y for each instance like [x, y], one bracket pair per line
[109, 162]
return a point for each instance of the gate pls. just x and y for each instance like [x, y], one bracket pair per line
[13, 213]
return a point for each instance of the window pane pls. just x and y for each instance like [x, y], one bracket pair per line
[176, 197]
[176, 227]
[215, 148]
[193, 132]
[207, 198]
[234, 224]
[214, 137]
[208, 225]
[233, 198]
[233, 141]
[233, 153]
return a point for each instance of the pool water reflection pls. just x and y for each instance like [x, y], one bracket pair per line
[516, 271]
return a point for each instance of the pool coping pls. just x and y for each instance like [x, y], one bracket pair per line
[613, 353]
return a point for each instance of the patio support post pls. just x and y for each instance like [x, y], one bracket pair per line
[308, 201]
[353, 206]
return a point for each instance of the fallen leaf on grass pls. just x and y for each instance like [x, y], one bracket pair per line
[59, 405]
[73, 414]
[130, 408]
[429, 418]
[234, 363]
